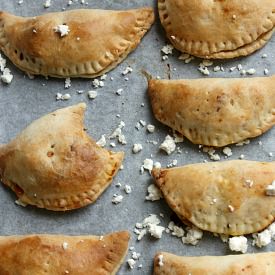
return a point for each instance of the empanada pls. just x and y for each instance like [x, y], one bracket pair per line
[54, 164]
[96, 40]
[215, 112]
[218, 29]
[61, 255]
[226, 197]
[249, 264]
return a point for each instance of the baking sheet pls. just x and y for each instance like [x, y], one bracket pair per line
[25, 100]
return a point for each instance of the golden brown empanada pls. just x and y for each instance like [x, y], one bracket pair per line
[226, 197]
[249, 264]
[215, 112]
[60, 255]
[218, 29]
[96, 42]
[54, 164]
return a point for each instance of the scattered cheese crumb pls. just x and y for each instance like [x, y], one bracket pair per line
[155, 230]
[127, 70]
[154, 193]
[102, 141]
[60, 96]
[97, 83]
[7, 77]
[238, 244]
[67, 83]
[168, 49]
[251, 71]
[270, 189]
[204, 70]
[47, 4]
[137, 147]
[117, 199]
[193, 236]
[131, 263]
[262, 239]
[168, 145]
[127, 189]
[92, 94]
[119, 91]
[266, 71]
[227, 151]
[117, 133]
[176, 230]
[62, 29]
[150, 128]
[65, 245]
[147, 165]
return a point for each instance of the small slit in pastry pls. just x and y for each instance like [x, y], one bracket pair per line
[49, 166]
[215, 112]
[238, 209]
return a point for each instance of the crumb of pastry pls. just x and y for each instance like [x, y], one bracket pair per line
[102, 141]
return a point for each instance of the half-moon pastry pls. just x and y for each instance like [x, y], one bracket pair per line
[76, 43]
[54, 164]
[249, 264]
[218, 29]
[226, 197]
[61, 255]
[216, 111]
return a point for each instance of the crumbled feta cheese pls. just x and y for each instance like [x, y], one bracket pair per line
[135, 255]
[62, 29]
[251, 71]
[67, 84]
[103, 77]
[193, 236]
[262, 239]
[154, 193]
[118, 184]
[20, 2]
[266, 71]
[117, 199]
[270, 154]
[155, 230]
[217, 69]
[112, 144]
[168, 49]
[157, 165]
[97, 83]
[204, 70]
[102, 141]
[47, 4]
[239, 67]
[211, 153]
[6, 77]
[238, 244]
[117, 133]
[127, 189]
[164, 57]
[119, 91]
[131, 263]
[137, 147]
[60, 96]
[264, 55]
[168, 145]
[227, 151]
[270, 189]
[232, 69]
[147, 165]
[127, 70]
[65, 245]
[3, 62]
[172, 164]
[241, 156]
[176, 230]
[92, 94]
[150, 128]
[243, 72]
[160, 260]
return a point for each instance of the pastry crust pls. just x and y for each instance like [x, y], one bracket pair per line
[60, 255]
[249, 264]
[97, 41]
[216, 197]
[54, 164]
[217, 29]
[215, 112]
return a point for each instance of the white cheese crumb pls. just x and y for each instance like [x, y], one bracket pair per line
[62, 29]
[150, 128]
[117, 133]
[47, 4]
[241, 156]
[266, 71]
[102, 141]
[3, 62]
[127, 70]
[60, 96]
[264, 55]
[112, 144]
[239, 67]
[155, 230]
[211, 153]
[135, 255]
[65, 245]
[127, 189]
[270, 154]
[262, 239]
[154, 193]
[204, 70]
[137, 147]
[270, 189]
[172, 164]
[193, 236]
[168, 49]
[217, 69]
[118, 184]
[168, 145]
[227, 151]
[103, 77]
[131, 263]
[176, 230]
[97, 83]
[238, 244]
[6, 77]
[251, 71]
[157, 165]
[160, 260]
[117, 199]
[147, 165]
[119, 91]
[92, 94]
[68, 83]
[232, 69]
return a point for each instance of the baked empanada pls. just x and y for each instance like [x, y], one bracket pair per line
[249, 264]
[77, 43]
[60, 255]
[226, 197]
[218, 29]
[215, 112]
[54, 164]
